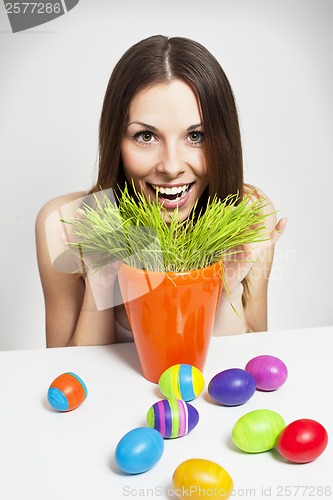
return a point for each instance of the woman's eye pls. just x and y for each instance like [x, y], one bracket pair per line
[196, 137]
[147, 136]
[144, 137]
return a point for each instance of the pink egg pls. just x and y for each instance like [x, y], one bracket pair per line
[269, 372]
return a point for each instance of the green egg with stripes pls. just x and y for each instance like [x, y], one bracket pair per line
[181, 381]
[172, 418]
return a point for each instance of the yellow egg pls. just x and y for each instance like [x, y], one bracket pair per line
[198, 478]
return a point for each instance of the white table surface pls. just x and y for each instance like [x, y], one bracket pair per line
[70, 456]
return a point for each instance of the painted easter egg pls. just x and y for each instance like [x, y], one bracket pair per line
[198, 478]
[232, 387]
[302, 441]
[181, 381]
[139, 450]
[172, 417]
[257, 431]
[269, 372]
[67, 392]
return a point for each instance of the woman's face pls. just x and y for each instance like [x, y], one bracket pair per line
[163, 146]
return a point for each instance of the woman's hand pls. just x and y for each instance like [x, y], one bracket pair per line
[239, 262]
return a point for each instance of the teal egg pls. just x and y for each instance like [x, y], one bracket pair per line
[257, 431]
[139, 450]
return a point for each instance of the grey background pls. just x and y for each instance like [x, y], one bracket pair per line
[277, 55]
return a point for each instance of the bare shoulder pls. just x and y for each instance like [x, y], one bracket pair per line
[52, 255]
[57, 203]
[268, 208]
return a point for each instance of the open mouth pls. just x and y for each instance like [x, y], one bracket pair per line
[174, 194]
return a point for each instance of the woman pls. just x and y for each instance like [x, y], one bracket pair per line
[169, 124]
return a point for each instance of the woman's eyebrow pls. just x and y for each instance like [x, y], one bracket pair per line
[155, 129]
[194, 127]
[145, 125]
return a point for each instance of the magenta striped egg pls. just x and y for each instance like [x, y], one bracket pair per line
[172, 417]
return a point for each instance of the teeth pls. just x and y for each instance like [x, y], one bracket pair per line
[173, 190]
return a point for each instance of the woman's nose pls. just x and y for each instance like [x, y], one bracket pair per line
[171, 162]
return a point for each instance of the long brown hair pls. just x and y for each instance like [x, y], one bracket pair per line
[160, 59]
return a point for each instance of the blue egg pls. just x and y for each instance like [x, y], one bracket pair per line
[232, 387]
[139, 450]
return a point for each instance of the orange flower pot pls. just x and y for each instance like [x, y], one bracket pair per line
[171, 315]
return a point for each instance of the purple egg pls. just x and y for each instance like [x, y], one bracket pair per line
[268, 371]
[232, 387]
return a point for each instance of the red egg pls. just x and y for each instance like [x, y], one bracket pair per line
[302, 441]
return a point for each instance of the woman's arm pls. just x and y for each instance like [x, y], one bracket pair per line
[72, 317]
[252, 317]
[94, 326]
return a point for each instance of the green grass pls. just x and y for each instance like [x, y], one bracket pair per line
[137, 233]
